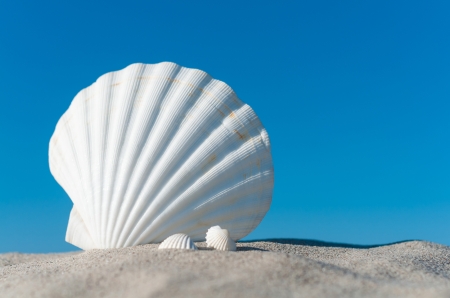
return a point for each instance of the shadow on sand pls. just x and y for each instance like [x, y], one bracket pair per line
[309, 242]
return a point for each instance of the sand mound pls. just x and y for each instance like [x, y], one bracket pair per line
[270, 268]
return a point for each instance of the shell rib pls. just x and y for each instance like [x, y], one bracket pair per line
[178, 241]
[220, 239]
[156, 149]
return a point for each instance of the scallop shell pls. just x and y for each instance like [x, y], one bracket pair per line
[219, 239]
[157, 149]
[178, 241]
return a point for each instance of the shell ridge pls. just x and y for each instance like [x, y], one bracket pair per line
[159, 158]
[211, 203]
[240, 216]
[267, 172]
[81, 104]
[178, 241]
[62, 177]
[110, 94]
[266, 202]
[191, 192]
[55, 155]
[135, 178]
[244, 144]
[222, 241]
[187, 242]
[128, 159]
[68, 175]
[148, 116]
[180, 203]
[192, 167]
[152, 155]
[89, 158]
[78, 103]
[267, 158]
[151, 185]
[234, 211]
[76, 124]
[161, 89]
[227, 190]
[85, 214]
[261, 155]
[131, 88]
[152, 188]
[100, 111]
[77, 233]
[183, 243]
[121, 110]
[204, 183]
[219, 239]
[170, 164]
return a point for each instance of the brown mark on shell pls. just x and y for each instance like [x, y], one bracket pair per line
[241, 135]
[211, 159]
[221, 113]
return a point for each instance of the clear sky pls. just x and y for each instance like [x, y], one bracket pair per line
[354, 94]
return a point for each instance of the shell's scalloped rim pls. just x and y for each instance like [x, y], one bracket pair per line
[139, 64]
[163, 63]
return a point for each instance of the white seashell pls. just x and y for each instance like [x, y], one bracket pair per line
[219, 239]
[178, 241]
[152, 150]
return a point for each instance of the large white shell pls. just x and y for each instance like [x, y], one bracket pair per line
[219, 239]
[178, 241]
[152, 150]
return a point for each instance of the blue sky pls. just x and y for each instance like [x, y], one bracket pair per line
[354, 95]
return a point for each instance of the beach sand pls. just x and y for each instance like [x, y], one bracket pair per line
[268, 268]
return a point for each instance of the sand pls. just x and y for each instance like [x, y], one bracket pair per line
[269, 268]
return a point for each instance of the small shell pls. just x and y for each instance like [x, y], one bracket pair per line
[220, 239]
[178, 241]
